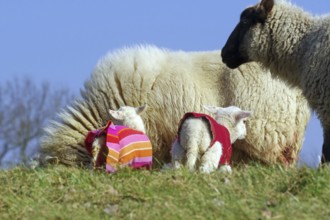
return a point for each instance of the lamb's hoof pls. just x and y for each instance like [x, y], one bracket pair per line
[176, 165]
[167, 166]
[225, 169]
[206, 169]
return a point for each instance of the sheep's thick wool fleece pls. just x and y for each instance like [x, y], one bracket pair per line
[161, 78]
[219, 133]
[124, 147]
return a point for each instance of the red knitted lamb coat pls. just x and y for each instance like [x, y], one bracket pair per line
[219, 133]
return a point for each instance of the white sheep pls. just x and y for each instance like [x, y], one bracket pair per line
[175, 82]
[207, 142]
[295, 46]
[132, 148]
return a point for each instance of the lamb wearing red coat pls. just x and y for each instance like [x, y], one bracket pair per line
[206, 142]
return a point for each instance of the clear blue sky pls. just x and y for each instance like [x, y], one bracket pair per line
[60, 41]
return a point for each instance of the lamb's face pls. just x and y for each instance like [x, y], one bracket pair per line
[240, 128]
[128, 116]
[233, 118]
[122, 114]
[242, 45]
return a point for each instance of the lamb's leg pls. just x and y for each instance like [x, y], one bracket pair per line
[210, 159]
[225, 169]
[326, 146]
[98, 143]
[177, 154]
[192, 154]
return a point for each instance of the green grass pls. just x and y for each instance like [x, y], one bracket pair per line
[251, 192]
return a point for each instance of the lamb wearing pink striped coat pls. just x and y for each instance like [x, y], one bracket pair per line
[122, 142]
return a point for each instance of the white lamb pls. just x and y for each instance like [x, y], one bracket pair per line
[126, 115]
[295, 46]
[197, 132]
[175, 82]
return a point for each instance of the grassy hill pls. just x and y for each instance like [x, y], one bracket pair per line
[251, 192]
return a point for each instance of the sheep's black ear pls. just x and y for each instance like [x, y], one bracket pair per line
[262, 10]
[267, 5]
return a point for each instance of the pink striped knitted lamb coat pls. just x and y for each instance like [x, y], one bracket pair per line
[124, 147]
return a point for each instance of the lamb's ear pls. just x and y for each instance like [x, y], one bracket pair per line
[266, 5]
[115, 115]
[141, 109]
[211, 109]
[242, 115]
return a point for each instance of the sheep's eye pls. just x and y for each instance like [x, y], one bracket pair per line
[244, 122]
[244, 20]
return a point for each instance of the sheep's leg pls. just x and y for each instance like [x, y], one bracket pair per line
[210, 159]
[177, 154]
[326, 146]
